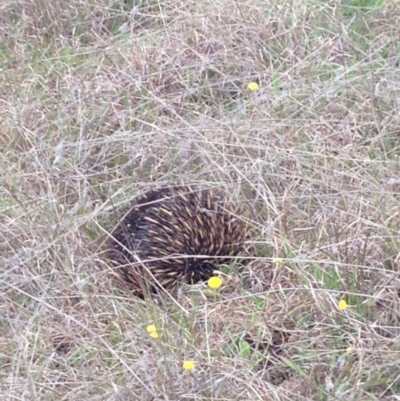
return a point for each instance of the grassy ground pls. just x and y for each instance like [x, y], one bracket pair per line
[98, 103]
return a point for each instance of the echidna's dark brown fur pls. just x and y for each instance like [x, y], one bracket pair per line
[175, 234]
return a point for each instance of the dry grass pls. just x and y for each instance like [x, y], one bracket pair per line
[92, 114]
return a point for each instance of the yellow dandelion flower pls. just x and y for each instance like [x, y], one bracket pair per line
[189, 365]
[342, 304]
[253, 86]
[215, 282]
[152, 330]
[278, 261]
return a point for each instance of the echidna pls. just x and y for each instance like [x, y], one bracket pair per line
[175, 234]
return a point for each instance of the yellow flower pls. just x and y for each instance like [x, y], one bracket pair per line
[349, 350]
[253, 86]
[278, 261]
[215, 282]
[188, 365]
[342, 304]
[152, 330]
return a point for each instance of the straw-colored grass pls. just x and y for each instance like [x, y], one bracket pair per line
[101, 100]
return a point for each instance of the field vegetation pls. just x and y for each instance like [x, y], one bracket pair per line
[101, 100]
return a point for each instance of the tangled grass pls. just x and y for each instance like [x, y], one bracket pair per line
[100, 100]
